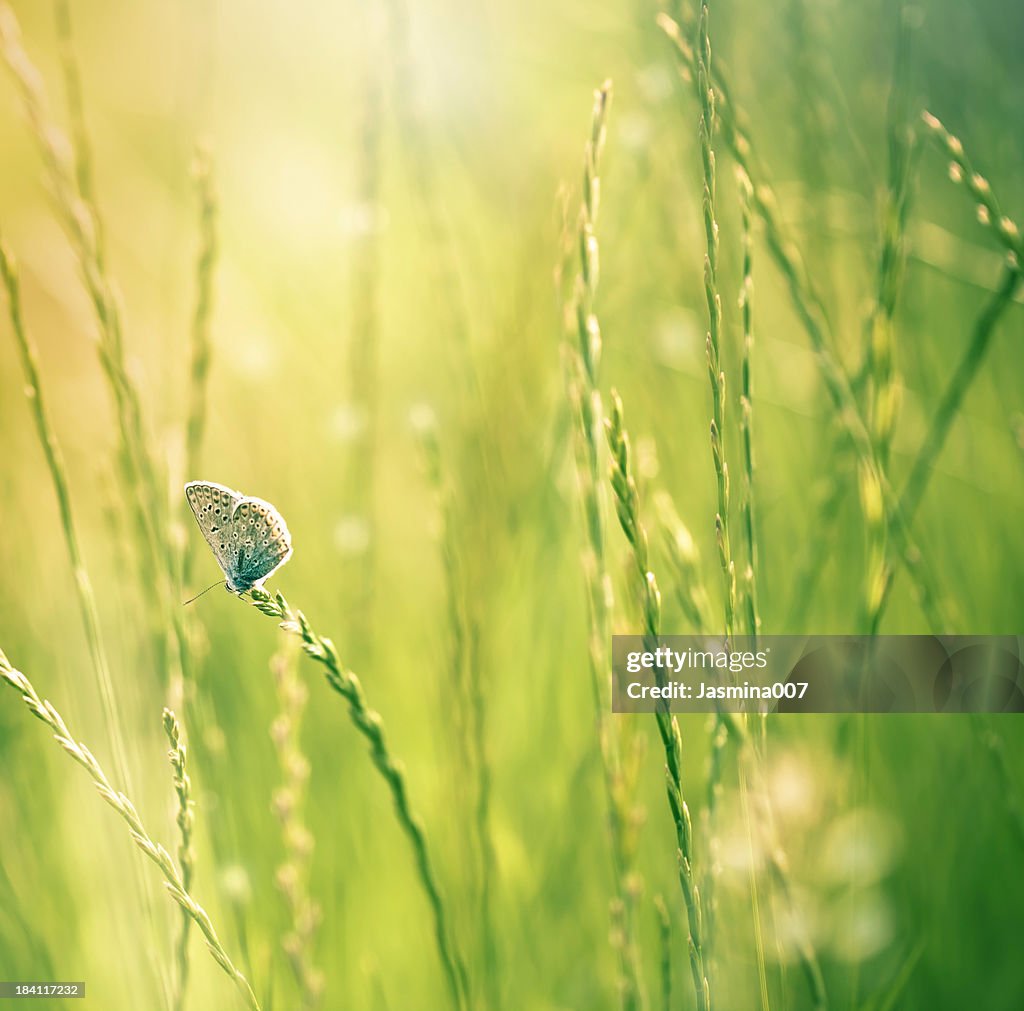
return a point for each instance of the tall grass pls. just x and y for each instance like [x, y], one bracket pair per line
[78, 212]
[186, 854]
[79, 215]
[877, 497]
[289, 802]
[81, 145]
[119, 801]
[87, 604]
[369, 725]
[708, 87]
[746, 302]
[1007, 233]
[716, 376]
[627, 507]
[524, 914]
[581, 370]
[200, 337]
[58, 475]
[463, 697]
[880, 365]
[713, 343]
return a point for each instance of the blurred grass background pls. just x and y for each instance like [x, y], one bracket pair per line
[389, 223]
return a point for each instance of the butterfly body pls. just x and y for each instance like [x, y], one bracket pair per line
[248, 536]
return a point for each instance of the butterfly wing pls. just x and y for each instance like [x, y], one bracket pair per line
[213, 506]
[248, 536]
[260, 541]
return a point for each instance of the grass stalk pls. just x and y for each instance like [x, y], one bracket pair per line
[88, 608]
[778, 867]
[582, 360]
[753, 619]
[1006, 231]
[685, 562]
[750, 608]
[699, 66]
[199, 336]
[876, 490]
[962, 171]
[713, 342]
[883, 386]
[73, 95]
[755, 902]
[120, 802]
[78, 212]
[959, 383]
[80, 218]
[627, 507]
[58, 475]
[716, 375]
[482, 821]
[186, 854]
[465, 702]
[806, 301]
[289, 805]
[950, 403]
[883, 377]
[665, 946]
[369, 725]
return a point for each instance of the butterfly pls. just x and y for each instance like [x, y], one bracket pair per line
[248, 536]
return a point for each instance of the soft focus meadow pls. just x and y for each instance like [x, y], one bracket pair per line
[384, 265]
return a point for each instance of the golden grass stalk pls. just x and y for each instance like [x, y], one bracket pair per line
[369, 725]
[199, 337]
[289, 806]
[112, 718]
[627, 507]
[84, 170]
[58, 475]
[79, 216]
[174, 883]
[186, 854]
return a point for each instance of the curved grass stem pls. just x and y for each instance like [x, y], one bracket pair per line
[627, 506]
[371, 727]
[174, 882]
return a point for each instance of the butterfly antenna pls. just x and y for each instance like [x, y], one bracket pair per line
[198, 595]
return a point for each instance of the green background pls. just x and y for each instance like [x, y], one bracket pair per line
[391, 185]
